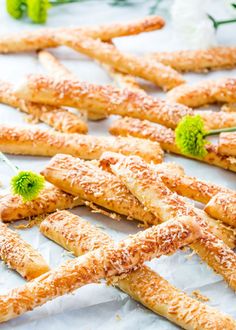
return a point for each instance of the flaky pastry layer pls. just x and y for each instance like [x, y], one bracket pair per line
[166, 137]
[44, 38]
[143, 181]
[34, 141]
[221, 90]
[19, 255]
[201, 60]
[144, 285]
[105, 262]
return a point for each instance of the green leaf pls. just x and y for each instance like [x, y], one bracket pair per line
[15, 8]
[27, 184]
[189, 136]
[37, 10]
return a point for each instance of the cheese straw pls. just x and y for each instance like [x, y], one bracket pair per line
[143, 284]
[115, 259]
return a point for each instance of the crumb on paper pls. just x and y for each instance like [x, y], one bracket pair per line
[96, 209]
[31, 222]
[200, 297]
[30, 119]
[189, 256]
[118, 317]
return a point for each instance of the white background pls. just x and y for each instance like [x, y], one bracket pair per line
[97, 306]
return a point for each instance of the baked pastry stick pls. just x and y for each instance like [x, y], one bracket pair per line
[191, 187]
[34, 141]
[217, 119]
[80, 237]
[19, 255]
[227, 144]
[58, 70]
[230, 107]
[49, 200]
[159, 74]
[201, 60]
[59, 118]
[115, 259]
[101, 99]
[221, 90]
[144, 183]
[91, 183]
[223, 206]
[44, 38]
[166, 137]
[212, 119]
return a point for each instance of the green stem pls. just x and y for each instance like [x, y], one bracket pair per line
[221, 130]
[62, 2]
[218, 23]
[8, 162]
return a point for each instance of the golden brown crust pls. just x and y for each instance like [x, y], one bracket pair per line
[116, 259]
[144, 285]
[227, 144]
[74, 233]
[230, 107]
[53, 65]
[49, 200]
[57, 117]
[222, 90]
[44, 38]
[223, 206]
[159, 74]
[35, 141]
[58, 70]
[19, 255]
[191, 187]
[217, 119]
[100, 98]
[166, 138]
[91, 183]
[147, 187]
[201, 60]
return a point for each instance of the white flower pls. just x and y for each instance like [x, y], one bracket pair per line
[191, 24]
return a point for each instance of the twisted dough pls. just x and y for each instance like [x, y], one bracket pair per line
[112, 260]
[144, 285]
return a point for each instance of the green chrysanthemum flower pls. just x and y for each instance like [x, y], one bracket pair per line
[15, 8]
[189, 136]
[37, 10]
[27, 184]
